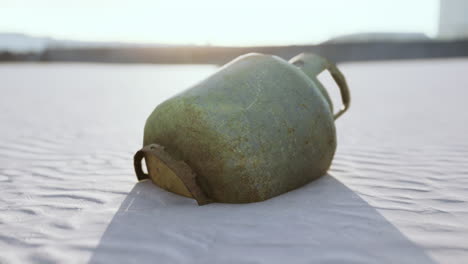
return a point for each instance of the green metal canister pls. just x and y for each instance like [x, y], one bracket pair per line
[258, 127]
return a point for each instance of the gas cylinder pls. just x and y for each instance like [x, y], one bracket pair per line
[258, 127]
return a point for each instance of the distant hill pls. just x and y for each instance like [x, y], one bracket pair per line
[22, 43]
[378, 37]
[355, 47]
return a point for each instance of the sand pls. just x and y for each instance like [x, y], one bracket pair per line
[397, 191]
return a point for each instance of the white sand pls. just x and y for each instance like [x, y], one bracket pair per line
[397, 191]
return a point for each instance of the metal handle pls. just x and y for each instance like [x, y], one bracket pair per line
[313, 65]
[341, 82]
[180, 169]
[137, 165]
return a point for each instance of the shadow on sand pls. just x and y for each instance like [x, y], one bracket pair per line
[322, 222]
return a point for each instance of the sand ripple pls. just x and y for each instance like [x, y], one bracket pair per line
[397, 191]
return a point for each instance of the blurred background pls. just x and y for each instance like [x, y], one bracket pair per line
[214, 32]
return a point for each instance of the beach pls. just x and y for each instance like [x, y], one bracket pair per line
[397, 191]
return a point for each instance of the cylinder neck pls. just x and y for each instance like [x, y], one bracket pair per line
[312, 65]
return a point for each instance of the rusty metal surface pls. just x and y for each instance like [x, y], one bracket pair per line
[255, 129]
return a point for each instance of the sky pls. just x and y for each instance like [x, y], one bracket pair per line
[215, 22]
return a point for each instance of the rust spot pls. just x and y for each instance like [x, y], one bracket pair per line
[291, 130]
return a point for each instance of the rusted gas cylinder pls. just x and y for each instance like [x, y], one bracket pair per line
[258, 127]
